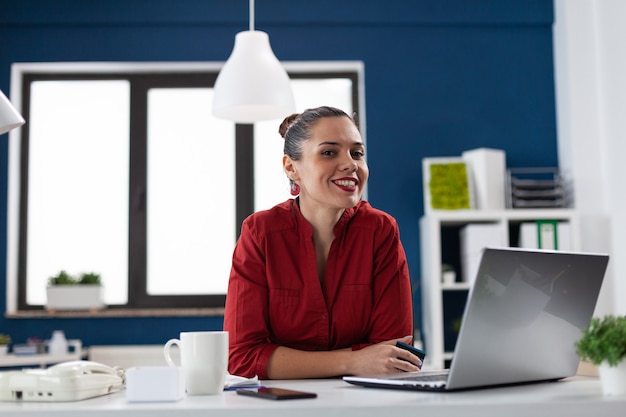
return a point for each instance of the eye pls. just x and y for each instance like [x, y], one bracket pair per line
[358, 154]
[328, 153]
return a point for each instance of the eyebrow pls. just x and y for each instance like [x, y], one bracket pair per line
[337, 144]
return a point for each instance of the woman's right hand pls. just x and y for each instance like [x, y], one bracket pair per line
[384, 358]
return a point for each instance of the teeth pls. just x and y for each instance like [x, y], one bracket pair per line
[346, 183]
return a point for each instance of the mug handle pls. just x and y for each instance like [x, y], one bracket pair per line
[166, 351]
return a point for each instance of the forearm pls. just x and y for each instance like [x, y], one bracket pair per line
[381, 358]
[287, 363]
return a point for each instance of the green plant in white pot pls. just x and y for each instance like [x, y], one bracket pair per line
[65, 292]
[603, 343]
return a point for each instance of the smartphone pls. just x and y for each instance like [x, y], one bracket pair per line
[417, 352]
[272, 393]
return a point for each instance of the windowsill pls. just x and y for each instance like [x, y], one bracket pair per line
[109, 313]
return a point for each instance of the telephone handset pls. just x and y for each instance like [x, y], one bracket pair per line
[67, 381]
[77, 368]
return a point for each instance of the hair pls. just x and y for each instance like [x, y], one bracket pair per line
[296, 129]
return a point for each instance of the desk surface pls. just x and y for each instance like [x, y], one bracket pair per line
[578, 396]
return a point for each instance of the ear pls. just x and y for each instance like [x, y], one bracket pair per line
[289, 167]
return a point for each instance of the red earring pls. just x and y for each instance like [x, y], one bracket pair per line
[295, 189]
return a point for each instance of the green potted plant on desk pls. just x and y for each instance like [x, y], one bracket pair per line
[64, 292]
[5, 341]
[603, 343]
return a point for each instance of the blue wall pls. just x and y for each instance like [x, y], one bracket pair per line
[441, 77]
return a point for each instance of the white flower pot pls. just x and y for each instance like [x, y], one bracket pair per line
[613, 379]
[74, 297]
[4, 349]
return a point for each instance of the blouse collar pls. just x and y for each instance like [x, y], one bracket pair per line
[340, 226]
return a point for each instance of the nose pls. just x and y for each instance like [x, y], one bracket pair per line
[349, 164]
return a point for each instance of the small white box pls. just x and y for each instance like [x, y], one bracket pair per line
[487, 169]
[155, 384]
[474, 238]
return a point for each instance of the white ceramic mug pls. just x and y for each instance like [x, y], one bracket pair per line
[204, 360]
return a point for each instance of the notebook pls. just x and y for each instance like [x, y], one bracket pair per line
[523, 316]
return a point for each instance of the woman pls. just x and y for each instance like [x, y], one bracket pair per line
[319, 285]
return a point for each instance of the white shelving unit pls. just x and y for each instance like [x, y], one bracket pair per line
[40, 360]
[75, 352]
[435, 226]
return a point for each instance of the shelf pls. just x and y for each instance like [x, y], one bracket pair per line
[457, 286]
[118, 313]
[470, 216]
[41, 360]
[440, 242]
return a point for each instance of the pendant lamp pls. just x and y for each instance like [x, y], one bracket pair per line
[252, 86]
[9, 117]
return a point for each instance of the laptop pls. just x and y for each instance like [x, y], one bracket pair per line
[523, 316]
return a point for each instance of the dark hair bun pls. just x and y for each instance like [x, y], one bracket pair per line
[286, 124]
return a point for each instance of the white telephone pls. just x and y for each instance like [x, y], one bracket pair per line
[67, 381]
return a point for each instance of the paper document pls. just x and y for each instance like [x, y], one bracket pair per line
[234, 381]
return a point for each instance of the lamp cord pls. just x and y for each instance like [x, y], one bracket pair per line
[251, 15]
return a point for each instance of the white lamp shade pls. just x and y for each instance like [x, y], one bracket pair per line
[9, 117]
[252, 86]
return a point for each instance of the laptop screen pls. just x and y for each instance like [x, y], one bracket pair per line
[524, 315]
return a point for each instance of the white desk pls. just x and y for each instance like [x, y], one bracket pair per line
[579, 396]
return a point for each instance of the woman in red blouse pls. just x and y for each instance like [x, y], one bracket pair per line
[319, 285]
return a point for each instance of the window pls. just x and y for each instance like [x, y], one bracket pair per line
[190, 193]
[70, 205]
[122, 170]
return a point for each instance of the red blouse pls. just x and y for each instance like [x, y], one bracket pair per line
[275, 297]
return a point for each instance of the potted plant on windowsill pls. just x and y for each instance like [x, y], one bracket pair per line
[603, 343]
[5, 341]
[65, 292]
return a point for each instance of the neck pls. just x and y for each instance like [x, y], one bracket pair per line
[322, 218]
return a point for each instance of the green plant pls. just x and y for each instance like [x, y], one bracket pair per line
[449, 186]
[89, 278]
[63, 278]
[604, 340]
[5, 339]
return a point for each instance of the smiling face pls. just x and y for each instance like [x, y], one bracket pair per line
[332, 171]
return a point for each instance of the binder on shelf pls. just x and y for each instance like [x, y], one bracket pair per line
[474, 238]
[487, 168]
[545, 234]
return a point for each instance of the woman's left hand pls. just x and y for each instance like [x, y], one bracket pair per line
[384, 358]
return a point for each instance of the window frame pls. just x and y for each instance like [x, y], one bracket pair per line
[142, 77]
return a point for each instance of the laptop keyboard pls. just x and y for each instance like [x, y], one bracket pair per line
[425, 377]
